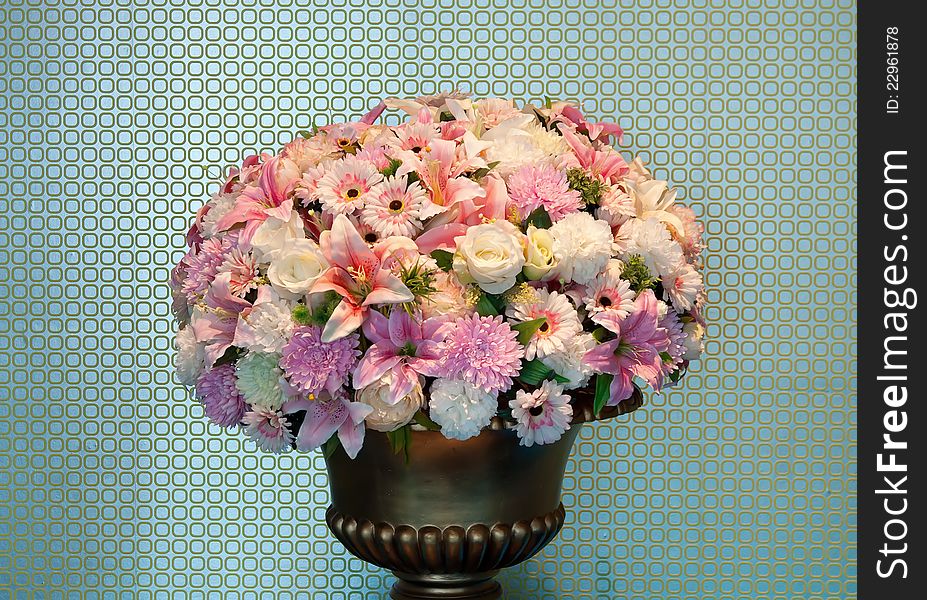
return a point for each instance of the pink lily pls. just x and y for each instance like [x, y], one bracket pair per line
[635, 351]
[593, 130]
[269, 198]
[404, 345]
[439, 169]
[606, 164]
[217, 325]
[326, 415]
[356, 273]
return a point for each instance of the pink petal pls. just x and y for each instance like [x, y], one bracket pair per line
[375, 363]
[388, 289]
[376, 327]
[344, 247]
[440, 238]
[374, 114]
[347, 317]
[404, 381]
[323, 418]
[621, 388]
[602, 357]
[352, 437]
[402, 328]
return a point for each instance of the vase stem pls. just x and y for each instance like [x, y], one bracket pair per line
[475, 586]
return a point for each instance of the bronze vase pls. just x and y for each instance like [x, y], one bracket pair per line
[446, 520]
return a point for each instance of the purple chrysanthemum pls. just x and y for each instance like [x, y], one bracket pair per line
[221, 399]
[531, 187]
[202, 266]
[482, 351]
[313, 365]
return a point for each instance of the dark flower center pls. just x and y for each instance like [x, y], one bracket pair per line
[416, 149]
[344, 142]
[395, 205]
[353, 193]
[370, 237]
[606, 302]
[535, 411]
[544, 327]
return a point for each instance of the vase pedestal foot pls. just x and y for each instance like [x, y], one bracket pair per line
[475, 586]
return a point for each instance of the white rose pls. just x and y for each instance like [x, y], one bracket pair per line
[539, 254]
[273, 234]
[297, 266]
[693, 340]
[490, 255]
[386, 416]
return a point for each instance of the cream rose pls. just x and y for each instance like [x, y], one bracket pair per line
[539, 254]
[693, 341]
[273, 234]
[490, 255]
[386, 416]
[297, 266]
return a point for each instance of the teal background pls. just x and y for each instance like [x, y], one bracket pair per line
[117, 117]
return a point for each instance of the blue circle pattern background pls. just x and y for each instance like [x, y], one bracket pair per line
[116, 118]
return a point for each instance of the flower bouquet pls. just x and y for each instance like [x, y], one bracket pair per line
[478, 276]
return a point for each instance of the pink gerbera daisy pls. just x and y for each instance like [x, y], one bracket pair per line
[221, 399]
[543, 415]
[269, 428]
[482, 351]
[244, 271]
[531, 187]
[313, 365]
[348, 184]
[561, 323]
[396, 208]
[681, 285]
[609, 292]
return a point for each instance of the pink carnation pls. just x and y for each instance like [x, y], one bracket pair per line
[531, 187]
[313, 365]
[482, 351]
[221, 400]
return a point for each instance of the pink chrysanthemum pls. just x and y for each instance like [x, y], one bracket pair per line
[313, 365]
[348, 185]
[532, 186]
[221, 399]
[203, 266]
[269, 428]
[244, 271]
[396, 208]
[482, 351]
[543, 415]
[375, 154]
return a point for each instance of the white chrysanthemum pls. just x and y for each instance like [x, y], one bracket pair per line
[560, 326]
[521, 141]
[221, 205]
[348, 184]
[681, 285]
[260, 379]
[652, 241]
[582, 246]
[190, 359]
[396, 208]
[460, 408]
[571, 362]
[543, 415]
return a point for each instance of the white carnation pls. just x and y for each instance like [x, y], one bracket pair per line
[190, 359]
[582, 246]
[570, 364]
[267, 327]
[652, 241]
[220, 205]
[521, 141]
[461, 409]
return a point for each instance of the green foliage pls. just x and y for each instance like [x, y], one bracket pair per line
[603, 382]
[637, 274]
[400, 440]
[329, 447]
[539, 218]
[425, 421]
[390, 170]
[527, 329]
[533, 372]
[325, 309]
[589, 189]
[444, 259]
[489, 305]
[302, 315]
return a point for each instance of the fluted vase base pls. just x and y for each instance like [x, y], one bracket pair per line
[477, 586]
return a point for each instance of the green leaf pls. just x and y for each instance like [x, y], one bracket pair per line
[390, 170]
[425, 421]
[560, 378]
[599, 334]
[539, 218]
[533, 372]
[447, 116]
[444, 259]
[603, 382]
[305, 133]
[527, 329]
[485, 307]
[400, 440]
[329, 447]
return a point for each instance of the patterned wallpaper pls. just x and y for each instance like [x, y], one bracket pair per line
[117, 117]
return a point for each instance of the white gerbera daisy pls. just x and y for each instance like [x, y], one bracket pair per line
[681, 285]
[561, 324]
[609, 292]
[396, 208]
[582, 246]
[190, 359]
[543, 415]
[652, 241]
[348, 184]
[571, 362]
[460, 408]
